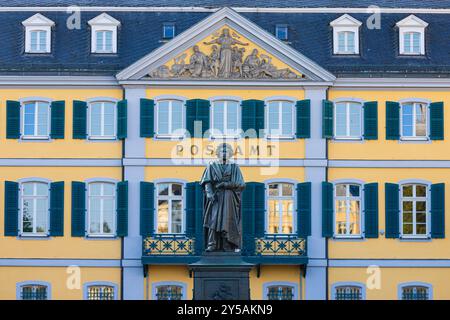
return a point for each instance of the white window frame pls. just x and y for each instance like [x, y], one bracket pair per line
[427, 199]
[280, 197]
[281, 136]
[21, 198]
[168, 24]
[102, 117]
[169, 198]
[103, 22]
[411, 24]
[35, 136]
[345, 23]
[38, 22]
[427, 124]
[88, 213]
[361, 119]
[170, 99]
[347, 198]
[225, 135]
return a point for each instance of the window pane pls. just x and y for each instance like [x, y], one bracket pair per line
[108, 215]
[421, 120]
[286, 118]
[273, 189]
[408, 191]
[42, 40]
[219, 115]
[341, 42]
[163, 189]
[407, 120]
[177, 115]
[350, 42]
[42, 119]
[108, 41]
[341, 190]
[99, 39]
[341, 217]
[286, 189]
[108, 121]
[176, 189]
[354, 190]
[27, 215]
[273, 118]
[416, 42]
[287, 223]
[355, 119]
[407, 44]
[163, 216]
[341, 119]
[41, 215]
[176, 216]
[354, 217]
[163, 117]
[274, 216]
[232, 117]
[421, 191]
[94, 215]
[95, 113]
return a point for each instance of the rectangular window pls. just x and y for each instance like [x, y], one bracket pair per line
[33, 292]
[101, 209]
[225, 118]
[346, 42]
[36, 120]
[414, 121]
[414, 210]
[411, 43]
[170, 118]
[347, 210]
[348, 293]
[281, 32]
[38, 41]
[104, 41]
[169, 292]
[168, 31]
[280, 209]
[415, 293]
[34, 209]
[102, 120]
[100, 293]
[348, 120]
[170, 208]
[280, 293]
[280, 119]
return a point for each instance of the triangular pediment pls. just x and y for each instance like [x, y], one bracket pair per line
[38, 20]
[225, 46]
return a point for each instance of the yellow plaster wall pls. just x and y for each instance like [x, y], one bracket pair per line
[58, 148]
[383, 248]
[57, 247]
[58, 277]
[392, 149]
[391, 278]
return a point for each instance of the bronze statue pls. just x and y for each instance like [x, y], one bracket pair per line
[222, 183]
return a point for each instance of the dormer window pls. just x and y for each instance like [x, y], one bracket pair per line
[281, 32]
[412, 36]
[104, 34]
[168, 31]
[38, 34]
[345, 35]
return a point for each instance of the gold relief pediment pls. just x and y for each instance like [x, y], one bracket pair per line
[225, 55]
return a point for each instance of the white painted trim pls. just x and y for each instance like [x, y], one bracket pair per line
[226, 83]
[345, 23]
[171, 98]
[103, 22]
[248, 29]
[237, 9]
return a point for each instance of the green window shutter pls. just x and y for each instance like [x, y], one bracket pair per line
[12, 119]
[371, 120]
[122, 209]
[371, 210]
[190, 208]
[122, 119]
[253, 115]
[392, 120]
[438, 210]
[252, 215]
[11, 208]
[327, 209]
[303, 108]
[57, 209]
[197, 111]
[147, 125]
[392, 210]
[79, 119]
[199, 229]
[147, 207]
[58, 109]
[304, 209]
[327, 119]
[437, 121]
[78, 209]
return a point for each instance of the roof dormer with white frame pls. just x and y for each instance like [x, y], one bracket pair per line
[345, 35]
[38, 34]
[411, 32]
[104, 34]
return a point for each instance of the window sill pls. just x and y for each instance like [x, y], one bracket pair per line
[415, 238]
[230, 137]
[31, 138]
[280, 138]
[349, 238]
[101, 237]
[33, 237]
[348, 139]
[100, 138]
[346, 54]
[168, 137]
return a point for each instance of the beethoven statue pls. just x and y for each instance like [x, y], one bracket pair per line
[222, 183]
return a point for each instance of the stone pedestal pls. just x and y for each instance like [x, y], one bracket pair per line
[221, 276]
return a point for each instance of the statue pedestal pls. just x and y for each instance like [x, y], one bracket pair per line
[221, 276]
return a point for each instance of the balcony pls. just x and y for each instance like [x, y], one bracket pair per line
[180, 249]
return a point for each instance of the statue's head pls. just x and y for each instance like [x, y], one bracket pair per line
[224, 151]
[226, 32]
[195, 48]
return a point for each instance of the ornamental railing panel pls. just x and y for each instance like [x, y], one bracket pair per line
[158, 245]
[280, 246]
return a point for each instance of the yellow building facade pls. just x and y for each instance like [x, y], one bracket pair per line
[345, 177]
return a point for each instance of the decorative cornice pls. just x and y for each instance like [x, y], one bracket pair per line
[392, 83]
[53, 81]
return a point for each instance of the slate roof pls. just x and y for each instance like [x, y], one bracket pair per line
[140, 33]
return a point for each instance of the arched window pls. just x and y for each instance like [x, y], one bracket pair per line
[347, 209]
[101, 209]
[348, 120]
[102, 120]
[280, 119]
[169, 118]
[348, 292]
[414, 123]
[100, 291]
[33, 290]
[225, 118]
[169, 291]
[280, 219]
[415, 291]
[36, 119]
[169, 217]
[34, 211]
[280, 292]
[414, 212]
